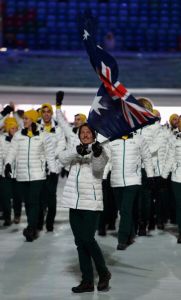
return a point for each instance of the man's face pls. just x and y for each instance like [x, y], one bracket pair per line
[86, 136]
[46, 115]
[175, 122]
[27, 122]
[13, 130]
[179, 124]
[77, 121]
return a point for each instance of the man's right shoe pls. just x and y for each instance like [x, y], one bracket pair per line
[83, 287]
[179, 239]
[30, 234]
[121, 246]
[102, 232]
[160, 226]
[16, 220]
[103, 284]
[142, 232]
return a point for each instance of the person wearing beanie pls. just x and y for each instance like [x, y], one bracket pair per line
[31, 149]
[79, 119]
[159, 204]
[173, 120]
[150, 134]
[146, 103]
[173, 165]
[9, 185]
[83, 196]
[127, 153]
[156, 113]
[49, 126]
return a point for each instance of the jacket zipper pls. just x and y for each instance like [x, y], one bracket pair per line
[29, 158]
[78, 187]
[94, 192]
[158, 167]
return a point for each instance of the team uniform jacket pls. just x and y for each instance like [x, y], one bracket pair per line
[127, 156]
[5, 142]
[83, 189]
[31, 155]
[57, 137]
[173, 160]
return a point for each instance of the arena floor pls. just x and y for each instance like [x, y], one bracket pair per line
[48, 268]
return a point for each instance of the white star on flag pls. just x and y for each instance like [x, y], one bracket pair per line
[96, 105]
[85, 35]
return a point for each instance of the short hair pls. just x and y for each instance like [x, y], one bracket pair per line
[88, 126]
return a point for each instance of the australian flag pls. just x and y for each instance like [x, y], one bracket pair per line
[114, 112]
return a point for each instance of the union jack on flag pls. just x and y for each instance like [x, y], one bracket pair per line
[114, 112]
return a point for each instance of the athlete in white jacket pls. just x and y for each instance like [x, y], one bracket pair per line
[49, 192]
[9, 185]
[83, 195]
[127, 155]
[173, 165]
[31, 150]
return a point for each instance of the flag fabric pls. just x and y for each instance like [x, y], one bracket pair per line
[114, 112]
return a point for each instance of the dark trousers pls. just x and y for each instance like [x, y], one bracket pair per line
[177, 193]
[160, 201]
[171, 202]
[48, 202]
[125, 198]
[109, 214]
[30, 191]
[9, 191]
[145, 199]
[84, 225]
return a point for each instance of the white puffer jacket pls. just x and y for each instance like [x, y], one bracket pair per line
[158, 157]
[127, 156]
[83, 189]
[150, 134]
[30, 155]
[6, 145]
[57, 137]
[173, 160]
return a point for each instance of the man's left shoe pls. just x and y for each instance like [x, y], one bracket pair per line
[102, 232]
[160, 226]
[121, 246]
[83, 287]
[49, 228]
[179, 239]
[103, 284]
[130, 241]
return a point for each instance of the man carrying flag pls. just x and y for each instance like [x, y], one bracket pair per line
[116, 114]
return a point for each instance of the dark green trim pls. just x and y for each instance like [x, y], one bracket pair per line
[78, 187]
[29, 157]
[94, 192]
[124, 146]
[158, 167]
